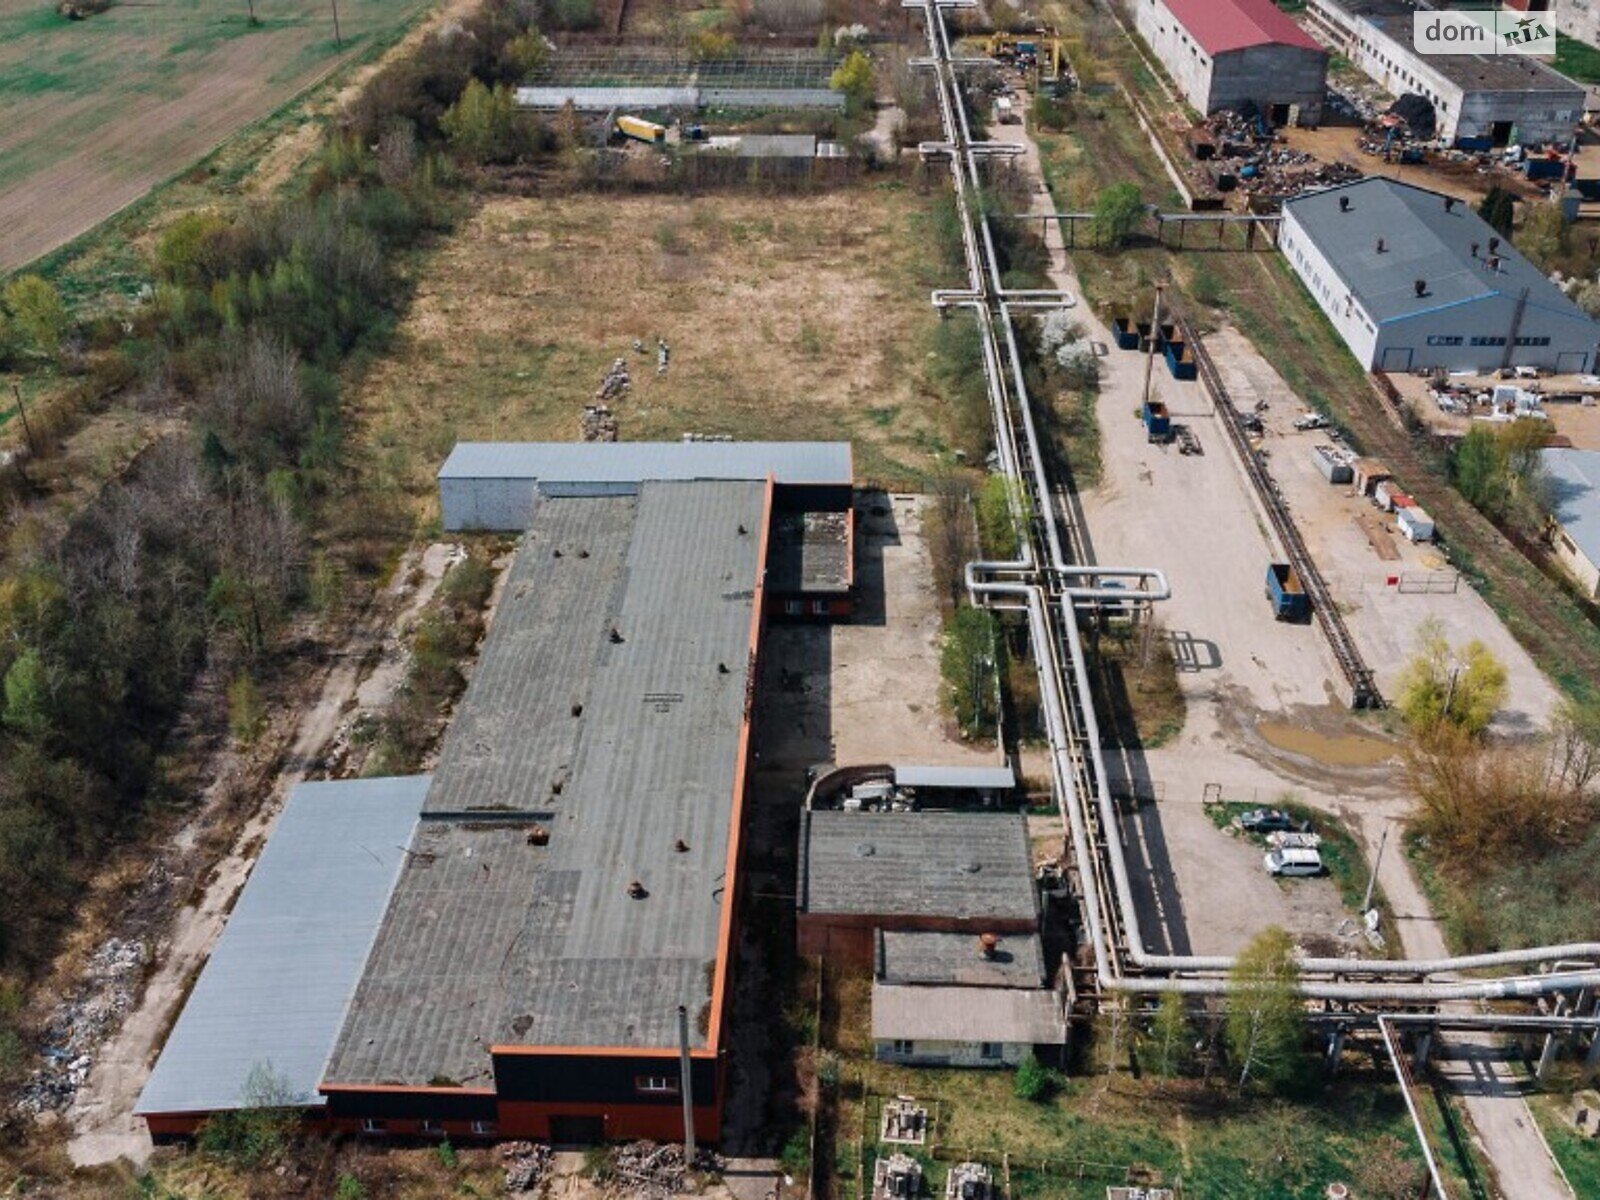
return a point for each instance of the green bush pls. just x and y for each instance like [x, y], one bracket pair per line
[970, 663]
[1034, 1082]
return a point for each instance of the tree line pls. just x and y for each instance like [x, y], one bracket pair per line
[200, 554]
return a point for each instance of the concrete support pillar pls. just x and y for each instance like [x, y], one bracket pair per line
[1552, 1042]
[1592, 1063]
[1424, 1048]
[1335, 1049]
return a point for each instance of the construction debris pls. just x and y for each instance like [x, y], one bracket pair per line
[598, 423]
[527, 1163]
[79, 1023]
[615, 384]
[653, 1171]
[1243, 154]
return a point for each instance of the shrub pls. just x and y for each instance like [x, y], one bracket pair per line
[246, 713]
[853, 77]
[1034, 1082]
[1118, 212]
[971, 662]
[37, 308]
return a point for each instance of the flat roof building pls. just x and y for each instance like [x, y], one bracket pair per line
[1233, 53]
[1479, 100]
[1574, 478]
[942, 870]
[1414, 279]
[573, 873]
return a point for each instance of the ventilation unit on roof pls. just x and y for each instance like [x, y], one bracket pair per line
[1422, 287]
[1344, 203]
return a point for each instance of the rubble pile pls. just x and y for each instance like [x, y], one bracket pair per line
[598, 423]
[527, 1163]
[79, 1023]
[616, 383]
[649, 1169]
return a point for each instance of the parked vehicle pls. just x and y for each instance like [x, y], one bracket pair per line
[641, 130]
[1267, 820]
[1287, 595]
[1311, 421]
[1291, 861]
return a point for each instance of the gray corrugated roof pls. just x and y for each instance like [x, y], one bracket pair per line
[277, 985]
[966, 865]
[1421, 241]
[554, 463]
[978, 778]
[1575, 496]
[600, 99]
[956, 958]
[963, 1014]
[491, 939]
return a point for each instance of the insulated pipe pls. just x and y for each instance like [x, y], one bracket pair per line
[1032, 597]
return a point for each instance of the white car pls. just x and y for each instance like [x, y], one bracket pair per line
[1291, 860]
[1311, 421]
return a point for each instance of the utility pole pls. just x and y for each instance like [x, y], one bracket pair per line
[22, 411]
[1366, 901]
[686, 1088]
[337, 39]
[1155, 334]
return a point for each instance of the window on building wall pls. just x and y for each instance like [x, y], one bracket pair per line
[373, 1125]
[431, 1127]
[904, 1046]
[656, 1085]
[1568, 544]
[991, 1051]
[483, 1128]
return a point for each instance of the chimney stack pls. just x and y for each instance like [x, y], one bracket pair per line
[1422, 287]
[988, 944]
[1344, 203]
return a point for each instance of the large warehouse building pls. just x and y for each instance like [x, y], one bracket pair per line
[519, 930]
[1479, 100]
[1413, 279]
[1225, 53]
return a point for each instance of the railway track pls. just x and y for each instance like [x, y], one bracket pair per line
[1363, 688]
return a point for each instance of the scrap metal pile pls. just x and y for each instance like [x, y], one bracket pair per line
[527, 1163]
[599, 423]
[1245, 155]
[656, 1171]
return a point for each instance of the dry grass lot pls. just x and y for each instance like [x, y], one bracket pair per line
[99, 111]
[788, 317]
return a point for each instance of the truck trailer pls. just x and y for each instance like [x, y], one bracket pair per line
[641, 130]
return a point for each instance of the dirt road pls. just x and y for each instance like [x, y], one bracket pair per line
[103, 1126]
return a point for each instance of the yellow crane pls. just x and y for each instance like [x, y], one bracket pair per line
[1038, 52]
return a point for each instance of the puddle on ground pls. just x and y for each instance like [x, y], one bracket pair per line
[1345, 750]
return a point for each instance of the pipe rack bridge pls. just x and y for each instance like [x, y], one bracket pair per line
[1052, 579]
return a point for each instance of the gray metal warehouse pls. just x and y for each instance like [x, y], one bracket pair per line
[1479, 100]
[1223, 53]
[1413, 279]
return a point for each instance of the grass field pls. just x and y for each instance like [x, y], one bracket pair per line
[101, 110]
[788, 317]
[1221, 1145]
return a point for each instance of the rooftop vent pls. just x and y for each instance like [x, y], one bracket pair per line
[556, 553]
[1422, 287]
[636, 890]
[1344, 203]
[583, 554]
[988, 945]
[616, 636]
[742, 530]
[577, 710]
[1474, 249]
[1380, 246]
[681, 846]
[1494, 245]
[1449, 204]
[722, 668]
[865, 850]
[971, 868]
[538, 836]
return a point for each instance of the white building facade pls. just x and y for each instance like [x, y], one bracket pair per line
[1415, 280]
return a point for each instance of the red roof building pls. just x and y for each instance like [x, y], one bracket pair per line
[1237, 54]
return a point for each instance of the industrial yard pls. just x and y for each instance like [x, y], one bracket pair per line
[799, 604]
